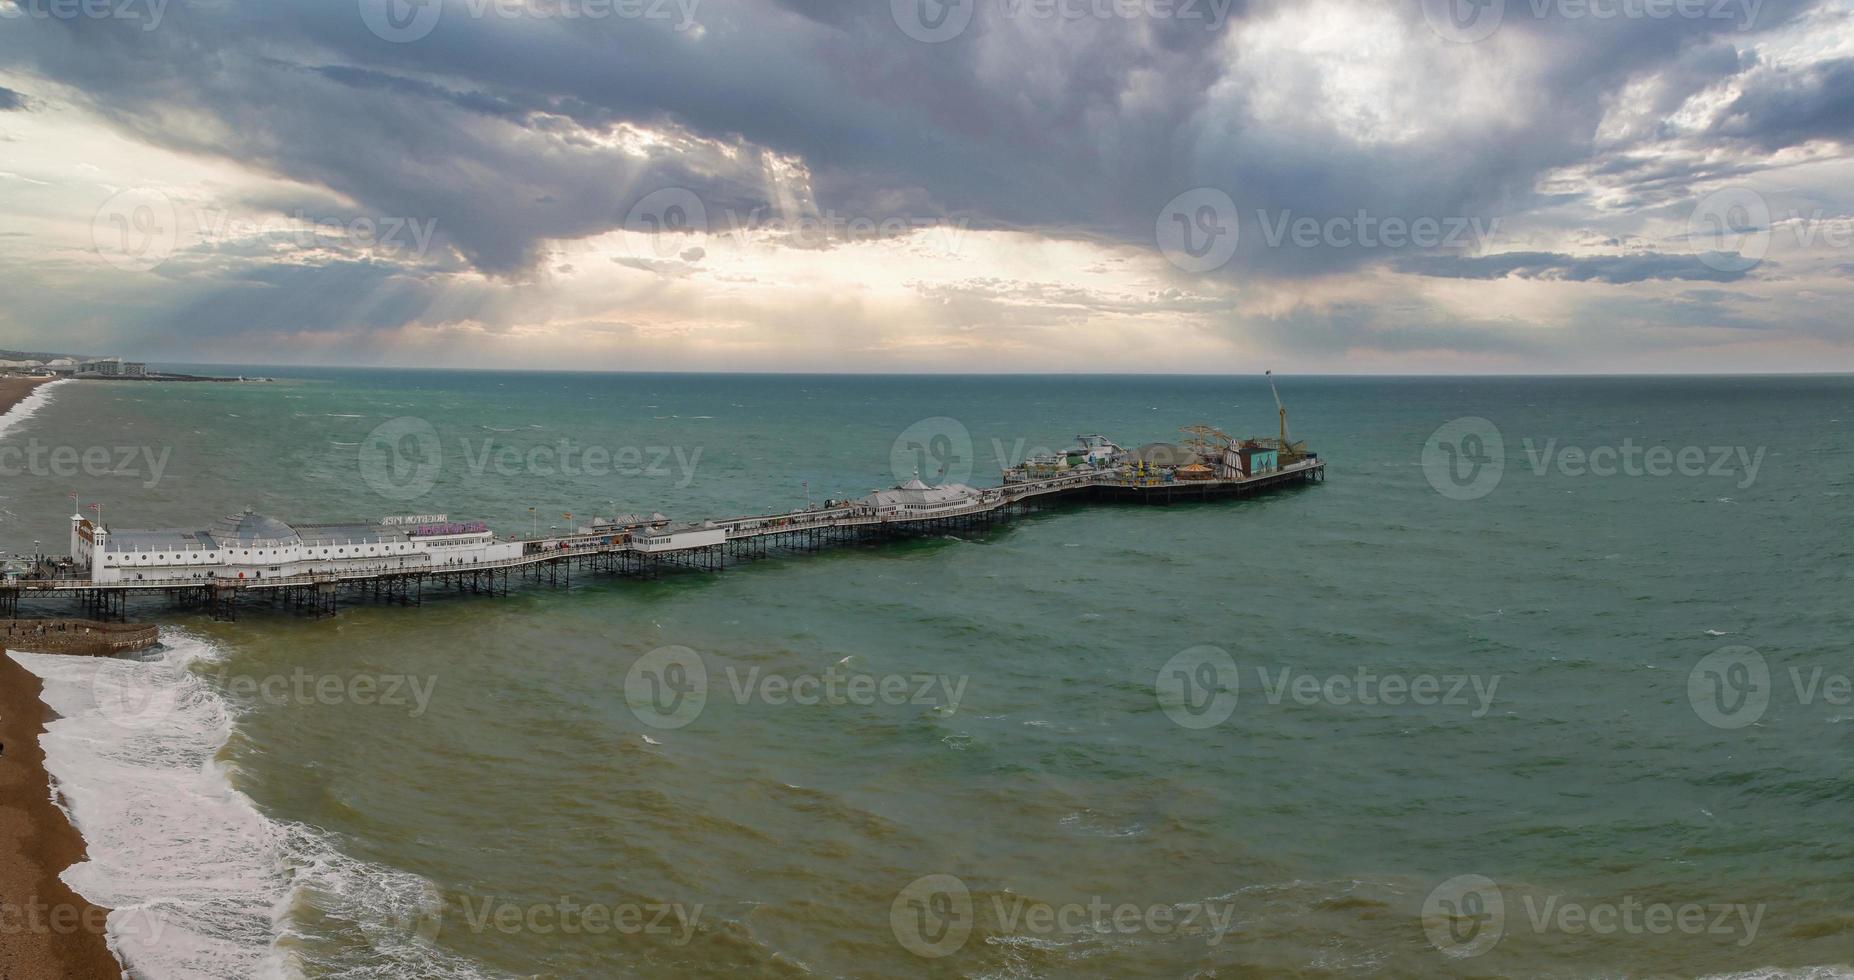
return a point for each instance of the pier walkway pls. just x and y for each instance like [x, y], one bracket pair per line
[640, 551]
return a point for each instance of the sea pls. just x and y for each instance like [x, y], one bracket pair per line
[1550, 677]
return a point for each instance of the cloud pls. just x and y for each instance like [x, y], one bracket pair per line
[515, 133]
[11, 101]
[527, 142]
[1612, 269]
[1784, 107]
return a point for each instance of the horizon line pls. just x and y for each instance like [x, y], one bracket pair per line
[1014, 374]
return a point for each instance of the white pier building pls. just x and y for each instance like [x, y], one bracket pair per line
[252, 546]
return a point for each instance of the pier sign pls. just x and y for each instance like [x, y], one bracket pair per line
[439, 530]
[416, 519]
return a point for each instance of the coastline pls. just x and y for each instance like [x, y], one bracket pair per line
[20, 398]
[14, 390]
[46, 929]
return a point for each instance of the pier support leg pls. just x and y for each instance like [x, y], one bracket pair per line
[225, 604]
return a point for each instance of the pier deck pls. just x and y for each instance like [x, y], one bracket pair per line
[551, 559]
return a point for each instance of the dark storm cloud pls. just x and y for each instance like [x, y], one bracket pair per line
[499, 129]
[11, 101]
[1613, 269]
[1784, 108]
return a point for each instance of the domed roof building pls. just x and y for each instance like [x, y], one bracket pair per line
[916, 497]
[250, 529]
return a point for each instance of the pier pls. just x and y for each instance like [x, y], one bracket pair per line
[644, 549]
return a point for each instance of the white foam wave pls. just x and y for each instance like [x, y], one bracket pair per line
[396, 914]
[29, 405]
[187, 864]
[200, 882]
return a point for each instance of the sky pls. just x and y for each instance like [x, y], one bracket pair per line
[1191, 186]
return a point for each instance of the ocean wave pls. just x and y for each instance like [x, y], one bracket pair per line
[396, 914]
[201, 883]
[29, 405]
[185, 862]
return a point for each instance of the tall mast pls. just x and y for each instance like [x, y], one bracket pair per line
[1279, 409]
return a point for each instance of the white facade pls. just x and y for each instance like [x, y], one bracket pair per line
[672, 539]
[253, 547]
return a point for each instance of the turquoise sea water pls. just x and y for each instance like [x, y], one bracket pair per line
[1564, 617]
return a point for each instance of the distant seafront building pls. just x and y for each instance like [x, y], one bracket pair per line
[113, 367]
[249, 545]
[101, 367]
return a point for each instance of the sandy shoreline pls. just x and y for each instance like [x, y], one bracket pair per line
[14, 390]
[46, 930]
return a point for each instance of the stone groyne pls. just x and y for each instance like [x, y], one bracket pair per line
[82, 637]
